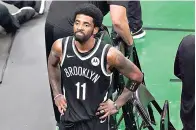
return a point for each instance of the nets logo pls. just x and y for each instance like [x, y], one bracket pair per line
[95, 61]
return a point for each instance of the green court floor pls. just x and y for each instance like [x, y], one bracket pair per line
[158, 48]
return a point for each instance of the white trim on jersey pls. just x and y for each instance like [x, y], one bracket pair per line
[91, 54]
[65, 50]
[111, 78]
[64, 91]
[102, 62]
[105, 98]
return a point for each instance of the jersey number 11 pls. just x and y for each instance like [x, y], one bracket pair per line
[83, 86]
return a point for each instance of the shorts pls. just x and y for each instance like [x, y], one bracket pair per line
[94, 124]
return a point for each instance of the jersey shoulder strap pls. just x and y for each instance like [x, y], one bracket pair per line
[107, 47]
[71, 39]
[63, 44]
[104, 59]
[105, 54]
[65, 41]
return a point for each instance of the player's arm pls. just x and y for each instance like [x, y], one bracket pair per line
[54, 68]
[120, 22]
[116, 59]
[55, 74]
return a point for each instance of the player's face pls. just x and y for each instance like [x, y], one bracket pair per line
[84, 28]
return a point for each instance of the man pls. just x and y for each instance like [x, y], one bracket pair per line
[184, 69]
[59, 23]
[85, 64]
[12, 22]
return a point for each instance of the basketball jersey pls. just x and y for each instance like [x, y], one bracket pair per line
[85, 80]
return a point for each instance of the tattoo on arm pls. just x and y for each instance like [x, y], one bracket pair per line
[126, 67]
[54, 72]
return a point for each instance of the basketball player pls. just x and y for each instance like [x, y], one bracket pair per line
[59, 23]
[84, 64]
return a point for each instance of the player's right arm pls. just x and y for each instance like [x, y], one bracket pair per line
[55, 74]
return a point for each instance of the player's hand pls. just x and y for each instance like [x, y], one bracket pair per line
[106, 109]
[61, 103]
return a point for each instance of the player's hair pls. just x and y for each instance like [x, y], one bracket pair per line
[92, 11]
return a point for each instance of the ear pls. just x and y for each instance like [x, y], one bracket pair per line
[95, 31]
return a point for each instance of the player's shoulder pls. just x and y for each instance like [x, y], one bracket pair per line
[60, 41]
[112, 51]
[112, 54]
[57, 45]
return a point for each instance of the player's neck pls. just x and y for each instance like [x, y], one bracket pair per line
[85, 47]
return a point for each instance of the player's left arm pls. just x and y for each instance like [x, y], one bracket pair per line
[115, 59]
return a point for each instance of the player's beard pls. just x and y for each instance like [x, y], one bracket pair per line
[82, 38]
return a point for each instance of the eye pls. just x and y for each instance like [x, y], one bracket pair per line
[76, 23]
[86, 25]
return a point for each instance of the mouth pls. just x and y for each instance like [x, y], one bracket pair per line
[79, 32]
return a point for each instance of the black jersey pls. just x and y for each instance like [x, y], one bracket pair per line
[85, 80]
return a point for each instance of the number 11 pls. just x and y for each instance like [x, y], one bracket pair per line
[78, 90]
